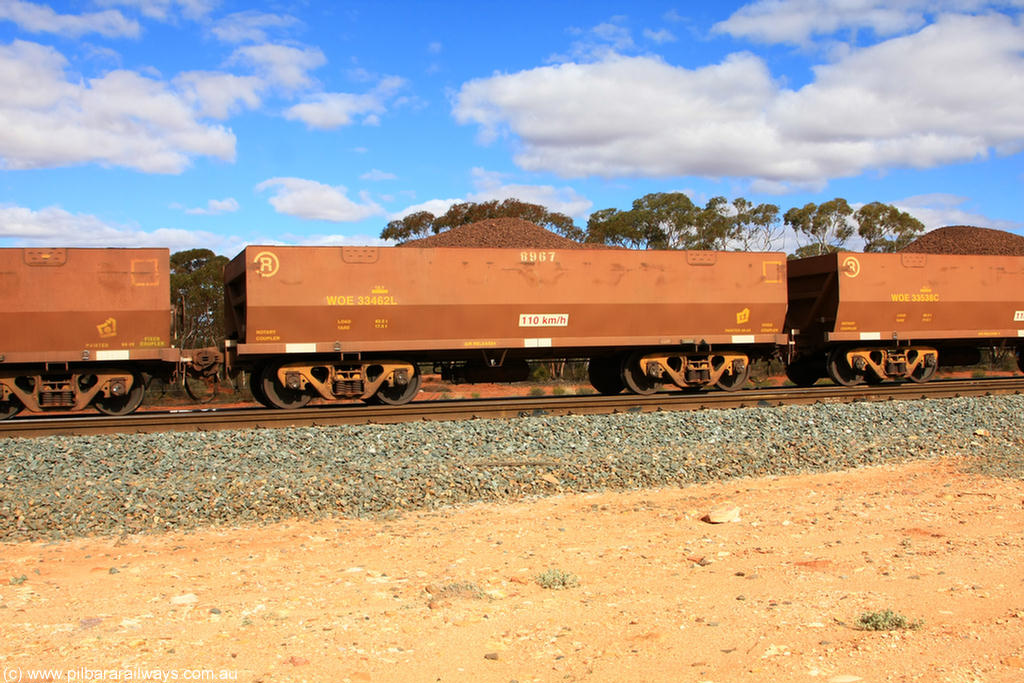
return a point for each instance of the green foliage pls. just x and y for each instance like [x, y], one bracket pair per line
[827, 226]
[556, 579]
[886, 620]
[670, 220]
[536, 391]
[885, 228]
[197, 296]
[424, 223]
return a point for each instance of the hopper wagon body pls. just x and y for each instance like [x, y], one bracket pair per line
[867, 317]
[355, 322]
[78, 326]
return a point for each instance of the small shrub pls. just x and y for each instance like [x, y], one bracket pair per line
[536, 391]
[886, 620]
[475, 394]
[558, 390]
[585, 391]
[556, 579]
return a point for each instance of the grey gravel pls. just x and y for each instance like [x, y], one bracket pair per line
[62, 487]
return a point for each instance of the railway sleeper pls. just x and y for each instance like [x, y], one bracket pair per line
[336, 381]
[727, 370]
[112, 390]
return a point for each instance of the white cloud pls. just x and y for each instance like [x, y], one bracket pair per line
[326, 111]
[660, 36]
[333, 110]
[939, 210]
[438, 207]
[214, 207]
[490, 185]
[952, 92]
[315, 201]
[23, 227]
[377, 174]
[121, 118]
[42, 19]
[281, 65]
[218, 94]
[798, 21]
[166, 10]
[250, 26]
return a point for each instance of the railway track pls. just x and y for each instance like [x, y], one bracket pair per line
[210, 419]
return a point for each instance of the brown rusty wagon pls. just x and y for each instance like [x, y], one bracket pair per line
[871, 317]
[357, 322]
[79, 327]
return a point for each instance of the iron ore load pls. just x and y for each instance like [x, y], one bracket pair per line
[357, 322]
[871, 317]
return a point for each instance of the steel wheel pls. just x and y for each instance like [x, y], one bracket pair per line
[604, 375]
[278, 395]
[922, 373]
[10, 408]
[634, 378]
[1020, 358]
[398, 394]
[840, 371]
[126, 404]
[734, 381]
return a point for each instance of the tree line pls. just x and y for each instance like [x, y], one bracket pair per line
[671, 220]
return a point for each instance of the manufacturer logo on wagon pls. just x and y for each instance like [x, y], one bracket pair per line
[266, 263]
[1018, 316]
[543, 320]
[851, 266]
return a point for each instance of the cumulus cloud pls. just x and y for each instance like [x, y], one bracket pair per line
[121, 118]
[490, 185]
[250, 26]
[25, 227]
[438, 207]
[326, 111]
[938, 210]
[42, 19]
[918, 100]
[217, 94]
[316, 201]
[281, 65]
[166, 10]
[798, 21]
[214, 207]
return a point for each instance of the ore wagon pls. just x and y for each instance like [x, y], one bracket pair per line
[357, 322]
[869, 317]
[78, 327]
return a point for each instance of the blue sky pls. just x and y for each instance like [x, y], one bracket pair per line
[212, 123]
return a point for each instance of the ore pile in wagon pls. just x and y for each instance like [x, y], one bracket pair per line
[967, 239]
[496, 233]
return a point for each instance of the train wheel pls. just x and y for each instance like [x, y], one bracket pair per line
[804, 373]
[125, 404]
[634, 378]
[398, 394]
[278, 395]
[10, 408]
[605, 376]
[256, 389]
[735, 380]
[922, 373]
[1020, 358]
[840, 371]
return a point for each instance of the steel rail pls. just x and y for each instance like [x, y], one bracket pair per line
[209, 419]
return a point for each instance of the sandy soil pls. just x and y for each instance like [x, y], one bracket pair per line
[453, 595]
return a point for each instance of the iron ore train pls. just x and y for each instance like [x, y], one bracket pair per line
[89, 327]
